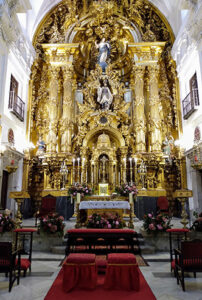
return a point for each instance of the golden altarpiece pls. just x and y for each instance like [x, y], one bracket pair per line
[104, 100]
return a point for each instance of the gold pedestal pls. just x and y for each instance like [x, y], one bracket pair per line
[19, 197]
[182, 195]
[78, 224]
[18, 220]
[184, 214]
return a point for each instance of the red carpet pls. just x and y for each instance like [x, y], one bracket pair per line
[99, 293]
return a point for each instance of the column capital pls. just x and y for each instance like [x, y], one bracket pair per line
[67, 71]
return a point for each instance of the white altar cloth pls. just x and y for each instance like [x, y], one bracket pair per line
[104, 204]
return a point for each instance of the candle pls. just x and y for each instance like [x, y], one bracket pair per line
[78, 198]
[130, 198]
[130, 159]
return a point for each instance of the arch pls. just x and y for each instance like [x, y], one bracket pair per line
[48, 8]
[114, 132]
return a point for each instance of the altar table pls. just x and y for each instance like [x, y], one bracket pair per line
[104, 205]
[101, 207]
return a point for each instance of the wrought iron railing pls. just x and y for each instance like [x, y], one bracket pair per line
[16, 105]
[190, 103]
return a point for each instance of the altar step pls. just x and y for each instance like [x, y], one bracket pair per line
[145, 249]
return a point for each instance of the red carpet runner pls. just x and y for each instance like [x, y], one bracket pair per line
[99, 293]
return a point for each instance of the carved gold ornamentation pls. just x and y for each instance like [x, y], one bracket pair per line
[140, 80]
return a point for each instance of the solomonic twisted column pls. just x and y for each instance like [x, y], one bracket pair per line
[154, 104]
[139, 114]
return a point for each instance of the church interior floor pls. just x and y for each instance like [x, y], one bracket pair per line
[45, 267]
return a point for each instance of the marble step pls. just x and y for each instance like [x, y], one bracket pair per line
[58, 249]
[145, 249]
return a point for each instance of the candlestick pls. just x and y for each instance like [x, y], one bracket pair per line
[78, 179]
[135, 171]
[131, 171]
[73, 175]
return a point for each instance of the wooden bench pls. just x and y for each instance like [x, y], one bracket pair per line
[108, 240]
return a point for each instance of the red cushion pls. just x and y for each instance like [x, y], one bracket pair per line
[100, 262]
[189, 263]
[4, 262]
[121, 258]
[100, 231]
[25, 230]
[177, 230]
[80, 258]
[173, 264]
[24, 263]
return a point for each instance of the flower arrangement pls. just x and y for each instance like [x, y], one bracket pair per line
[6, 223]
[154, 224]
[107, 220]
[125, 190]
[197, 225]
[52, 223]
[81, 189]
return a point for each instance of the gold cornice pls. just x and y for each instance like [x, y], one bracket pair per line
[183, 193]
[60, 46]
[19, 195]
[55, 193]
[146, 52]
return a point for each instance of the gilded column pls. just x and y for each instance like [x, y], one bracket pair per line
[96, 172]
[66, 124]
[53, 111]
[139, 113]
[123, 164]
[154, 104]
[111, 173]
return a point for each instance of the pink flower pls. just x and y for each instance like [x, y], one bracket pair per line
[150, 215]
[117, 222]
[61, 218]
[49, 224]
[53, 228]
[109, 226]
[159, 227]
[152, 227]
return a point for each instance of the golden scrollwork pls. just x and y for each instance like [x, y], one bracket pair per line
[75, 101]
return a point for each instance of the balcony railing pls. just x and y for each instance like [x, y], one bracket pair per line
[190, 103]
[16, 105]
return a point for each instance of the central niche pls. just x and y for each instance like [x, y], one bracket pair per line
[103, 164]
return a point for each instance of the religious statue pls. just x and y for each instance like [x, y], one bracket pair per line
[41, 146]
[104, 52]
[104, 97]
[168, 144]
